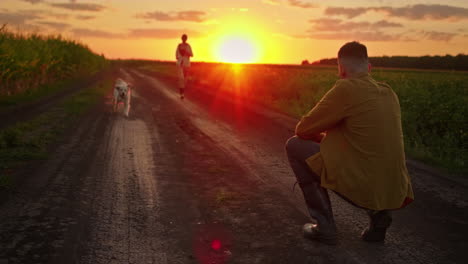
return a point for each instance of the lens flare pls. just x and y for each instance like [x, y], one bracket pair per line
[216, 244]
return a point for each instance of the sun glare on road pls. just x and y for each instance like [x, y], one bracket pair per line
[236, 50]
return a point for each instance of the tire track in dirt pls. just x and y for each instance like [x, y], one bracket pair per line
[125, 207]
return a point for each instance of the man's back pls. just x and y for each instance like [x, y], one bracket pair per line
[374, 119]
[183, 54]
[363, 153]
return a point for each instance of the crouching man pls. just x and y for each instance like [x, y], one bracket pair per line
[351, 142]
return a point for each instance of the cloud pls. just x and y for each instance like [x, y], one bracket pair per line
[54, 25]
[357, 35]
[155, 33]
[84, 17]
[338, 29]
[376, 35]
[43, 14]
[344, 11]
[330, 24]
[79, 6]
[17, 18]
[161, 33]
[411, 12]
[439, 36]
[33, 1]
[385, 23]
[50, 14]
[301, 4]
[429, 12]
[94, 33]
[190, 15]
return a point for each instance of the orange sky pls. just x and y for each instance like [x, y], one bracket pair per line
[260, 31]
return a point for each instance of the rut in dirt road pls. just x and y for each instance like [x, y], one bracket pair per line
[201, 181]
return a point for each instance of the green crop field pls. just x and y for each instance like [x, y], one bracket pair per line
[29, 62]
[434, 104]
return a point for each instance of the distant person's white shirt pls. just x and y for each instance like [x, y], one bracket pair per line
[183, 54]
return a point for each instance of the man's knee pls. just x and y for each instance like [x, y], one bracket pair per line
[292, 144]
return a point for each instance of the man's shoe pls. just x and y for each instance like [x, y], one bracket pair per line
[312, 232]
[379, 222]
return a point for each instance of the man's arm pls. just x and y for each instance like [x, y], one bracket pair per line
[328, 112]
[190, 51]
[178, 55]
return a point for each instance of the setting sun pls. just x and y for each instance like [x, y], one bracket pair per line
[237, 49]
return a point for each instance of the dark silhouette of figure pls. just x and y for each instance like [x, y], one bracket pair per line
[183, 54]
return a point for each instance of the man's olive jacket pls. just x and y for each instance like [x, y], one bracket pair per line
[362, 155]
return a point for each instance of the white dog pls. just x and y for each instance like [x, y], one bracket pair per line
[122, 94]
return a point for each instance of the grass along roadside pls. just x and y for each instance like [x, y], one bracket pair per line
[27, 141]
[8, 103]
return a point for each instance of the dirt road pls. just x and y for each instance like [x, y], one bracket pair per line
[202, 180]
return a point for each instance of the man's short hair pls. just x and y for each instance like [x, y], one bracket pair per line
[353, 57]
[353, 50]
[184, 36]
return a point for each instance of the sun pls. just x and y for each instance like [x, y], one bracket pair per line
[240, 39]
[237, 49]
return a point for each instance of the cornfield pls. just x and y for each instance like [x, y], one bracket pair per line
[28, 61]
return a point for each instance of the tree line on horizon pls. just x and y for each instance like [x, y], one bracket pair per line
[447, 62]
